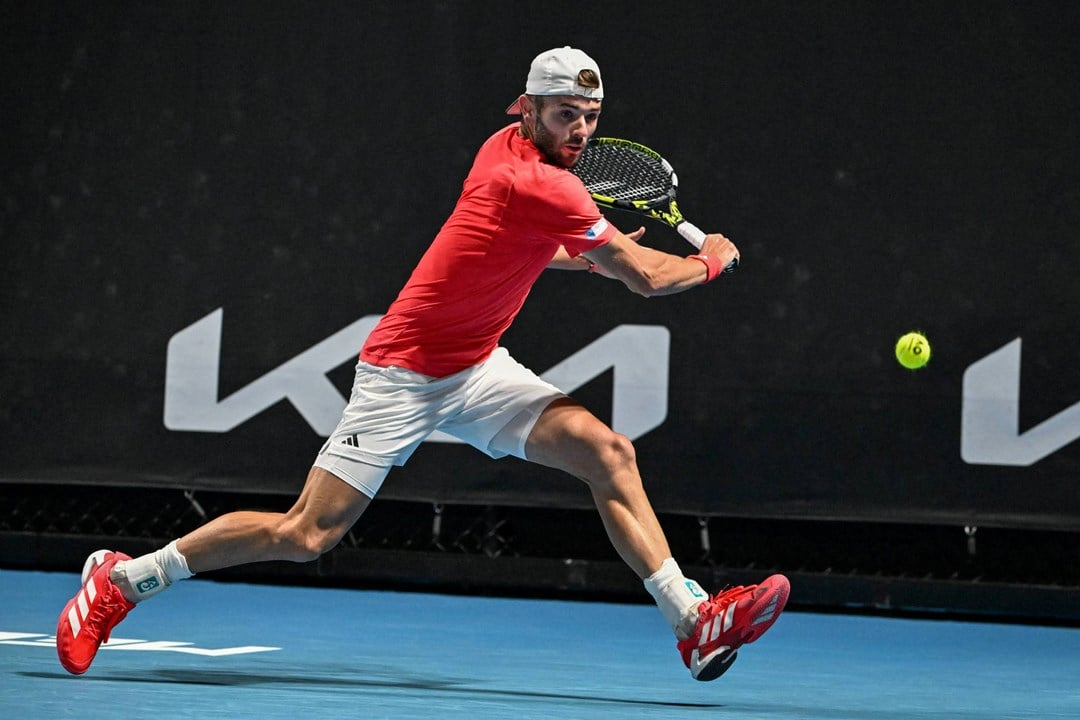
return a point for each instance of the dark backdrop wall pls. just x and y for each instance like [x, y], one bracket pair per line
[265, 175]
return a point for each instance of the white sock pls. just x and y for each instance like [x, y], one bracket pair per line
[677, 597]
[147, 575]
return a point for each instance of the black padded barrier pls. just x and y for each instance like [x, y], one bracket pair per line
[196, 195]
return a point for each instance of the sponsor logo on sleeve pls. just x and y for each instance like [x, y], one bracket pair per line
[597, 230]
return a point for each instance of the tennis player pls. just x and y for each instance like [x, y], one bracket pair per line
[434, 362]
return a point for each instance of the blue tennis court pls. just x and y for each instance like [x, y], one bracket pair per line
[211, 649]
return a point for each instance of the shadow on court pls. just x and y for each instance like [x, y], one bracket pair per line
[226, 678]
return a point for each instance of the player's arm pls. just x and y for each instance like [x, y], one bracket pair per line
[650, 272]
[563, 261]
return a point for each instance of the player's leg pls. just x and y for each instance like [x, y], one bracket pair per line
[320, 517]
[710, 629]
[570, 438]
[390, 412]
[511, 411]
[113, 582]
[325, 510]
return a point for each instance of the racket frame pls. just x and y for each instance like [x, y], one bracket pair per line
[663, 207]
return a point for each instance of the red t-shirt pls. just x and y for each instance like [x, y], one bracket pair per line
[514, 213]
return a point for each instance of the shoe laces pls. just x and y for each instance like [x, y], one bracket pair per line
[729, 595]
[103, 610]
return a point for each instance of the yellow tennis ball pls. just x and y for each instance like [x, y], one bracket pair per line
[913, 350]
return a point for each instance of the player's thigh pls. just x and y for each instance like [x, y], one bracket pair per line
[327, 504]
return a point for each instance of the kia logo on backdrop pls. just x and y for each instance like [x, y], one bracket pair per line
[990, 420]
[638, 354]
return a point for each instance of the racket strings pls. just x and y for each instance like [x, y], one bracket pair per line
[623, 174]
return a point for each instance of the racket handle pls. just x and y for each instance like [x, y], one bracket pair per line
[691, 233]
[696, 237]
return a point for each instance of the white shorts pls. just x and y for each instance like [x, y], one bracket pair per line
[492, 406]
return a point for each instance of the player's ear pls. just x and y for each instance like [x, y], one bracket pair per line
[528, 107]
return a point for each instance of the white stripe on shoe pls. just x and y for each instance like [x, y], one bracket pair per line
[83, 601]
[73, 621]
[721, 623]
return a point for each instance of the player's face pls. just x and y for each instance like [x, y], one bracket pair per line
[562, 125]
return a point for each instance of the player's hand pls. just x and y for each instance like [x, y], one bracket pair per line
[636, 235]
[719, 246]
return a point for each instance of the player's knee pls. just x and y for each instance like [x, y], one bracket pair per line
[301, 543]
[321, 544]
[621, 450]
[616, 457]
[319, 541]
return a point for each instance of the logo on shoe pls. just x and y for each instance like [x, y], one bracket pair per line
[722, 622]
[80, 607]
[147, 584]
[768, 612]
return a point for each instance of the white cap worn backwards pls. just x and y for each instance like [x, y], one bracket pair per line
[557, 72]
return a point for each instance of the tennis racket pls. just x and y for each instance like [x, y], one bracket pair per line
[625, 175]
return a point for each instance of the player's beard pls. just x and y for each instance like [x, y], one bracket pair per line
[546, 142]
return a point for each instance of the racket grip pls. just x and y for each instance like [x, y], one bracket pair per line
[691, 233]
[696, 237]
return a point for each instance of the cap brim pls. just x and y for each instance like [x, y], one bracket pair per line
[515, 107]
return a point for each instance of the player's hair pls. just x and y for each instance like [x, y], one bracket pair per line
[588, 78]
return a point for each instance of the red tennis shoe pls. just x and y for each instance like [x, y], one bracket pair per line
[729, 620]
[91, 615]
